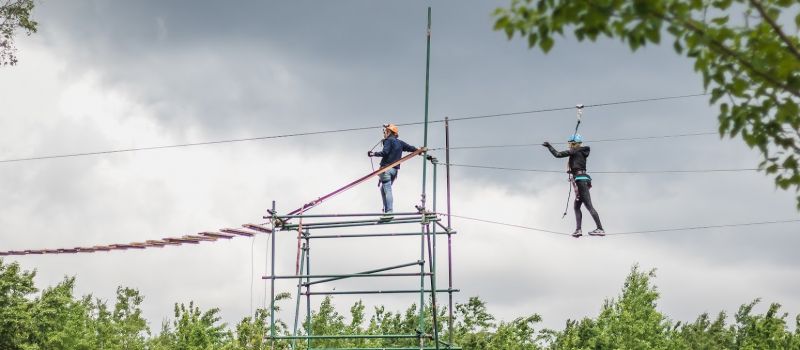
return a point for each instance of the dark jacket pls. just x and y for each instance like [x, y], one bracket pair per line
[393, 149]
[577, 157]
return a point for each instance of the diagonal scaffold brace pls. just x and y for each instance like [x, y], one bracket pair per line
[350, 185]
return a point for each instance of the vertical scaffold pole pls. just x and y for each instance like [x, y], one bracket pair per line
[272, 283]
[421, 315]
[449, 235]
[302, 267]
[308, 289]
[424, 177]
[434, 305]
[427, 89]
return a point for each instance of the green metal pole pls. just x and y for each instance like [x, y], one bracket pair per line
[424, 177]
[299, 290]
[384, 269]
[366, 292]
[427, 90]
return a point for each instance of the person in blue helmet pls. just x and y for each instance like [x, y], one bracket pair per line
[392, 151]
[581, 181]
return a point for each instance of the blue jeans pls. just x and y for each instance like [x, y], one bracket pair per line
[387, 179]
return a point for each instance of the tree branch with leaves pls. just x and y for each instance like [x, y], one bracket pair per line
[14, 15]
[752, 63]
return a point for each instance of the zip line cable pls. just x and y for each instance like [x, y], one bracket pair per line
[593, 141]
[310, 133]
[674, 229]
[690, 228]
[556, 109]
[123, 150]
[509, 225]
[609, 172]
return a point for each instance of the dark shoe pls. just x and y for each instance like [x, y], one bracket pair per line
[577, 233]
[597, 232]
[386, 217]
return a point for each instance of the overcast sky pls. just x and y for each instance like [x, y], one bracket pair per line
[103, 75]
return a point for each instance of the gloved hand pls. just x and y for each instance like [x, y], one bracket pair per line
[546, 144]
[424, 149]
[370, 154]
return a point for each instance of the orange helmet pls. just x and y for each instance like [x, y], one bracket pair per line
[392, 128]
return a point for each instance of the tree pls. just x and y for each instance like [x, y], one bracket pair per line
[749, 62]
[15, 317]
[14, 15]
[62, 322]
[629, 322]
[703, 334]
[766, 331]
[193, 329]
[124, 328]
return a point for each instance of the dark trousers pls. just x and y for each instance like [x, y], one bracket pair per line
[582, 196]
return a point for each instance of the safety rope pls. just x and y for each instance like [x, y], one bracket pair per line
[571, 178]
[371, 161]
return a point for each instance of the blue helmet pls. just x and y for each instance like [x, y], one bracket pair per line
[576, 138]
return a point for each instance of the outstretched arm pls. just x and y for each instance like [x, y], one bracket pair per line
[557, 154]
[407, 147]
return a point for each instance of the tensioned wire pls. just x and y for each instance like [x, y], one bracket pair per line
[680, 171]
[662, 230]
[619, 139]
[311, 133]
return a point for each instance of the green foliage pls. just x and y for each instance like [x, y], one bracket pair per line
[14, 14]
[61, 321]
[193, 329]
[704, 334]
[766, 331]
[629, 322]
[15, 316]
[475, 328]
[752, 69]
[57, 319]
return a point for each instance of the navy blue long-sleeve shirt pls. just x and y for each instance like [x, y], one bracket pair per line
[393, 149]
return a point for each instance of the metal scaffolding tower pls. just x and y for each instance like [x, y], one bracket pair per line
[427, 225]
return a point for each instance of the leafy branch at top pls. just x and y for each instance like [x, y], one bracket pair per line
[756, 65]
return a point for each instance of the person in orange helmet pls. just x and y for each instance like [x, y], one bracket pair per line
[392, 151]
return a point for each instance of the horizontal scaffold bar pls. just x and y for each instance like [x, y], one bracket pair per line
[367, 235]
[307, 216]
[416, 263]
[352, 336]
[360, 223]
[341, 276]
[400, 291]
[313, 224]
